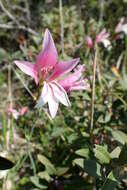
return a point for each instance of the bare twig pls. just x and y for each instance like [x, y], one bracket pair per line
[61, 26]
[16, 7]
[19, 27]
[7, 12]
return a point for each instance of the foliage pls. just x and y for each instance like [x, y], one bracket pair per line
[61, 153]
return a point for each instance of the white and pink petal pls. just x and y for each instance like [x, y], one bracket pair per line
[43, 97]
[60, 94]
[47, 96]
[28, 68]
[53, 103]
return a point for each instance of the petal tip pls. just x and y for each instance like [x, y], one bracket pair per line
[47, 30]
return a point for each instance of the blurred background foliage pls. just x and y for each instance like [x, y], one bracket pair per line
[60, 154]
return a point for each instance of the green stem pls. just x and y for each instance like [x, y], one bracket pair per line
[93, 91]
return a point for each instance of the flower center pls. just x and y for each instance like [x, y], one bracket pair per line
[45, 73]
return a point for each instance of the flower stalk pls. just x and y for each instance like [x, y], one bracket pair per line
[10, 104]
[61, 26]
[93, 90]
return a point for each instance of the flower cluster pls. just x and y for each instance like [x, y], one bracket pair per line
[103, 36]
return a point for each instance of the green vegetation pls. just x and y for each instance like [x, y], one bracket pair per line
[62, 154]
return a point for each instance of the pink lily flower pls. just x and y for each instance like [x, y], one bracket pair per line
[49, 72]
[121, 27]
[102, 37]
[16, 113]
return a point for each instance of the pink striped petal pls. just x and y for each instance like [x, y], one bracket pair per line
[80, 85]
[60, 94]
[52, 103]
[63, 67]
[47, 96]
[48, 57]
[28, 68]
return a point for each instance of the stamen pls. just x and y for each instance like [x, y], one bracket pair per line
[45, 73]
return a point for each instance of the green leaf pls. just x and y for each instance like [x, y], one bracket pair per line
[44, 175]
[60, 171]
[119, 136]
[111, 181]
[59, 131]
[79, 162]
[83, 152]
[71, 138]
[35, 181]
[16, 55]
[123, 155]
[90, 166]
[115, 153]
[104, 118]
[84, 134]
[48, 165]
[102, 154]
